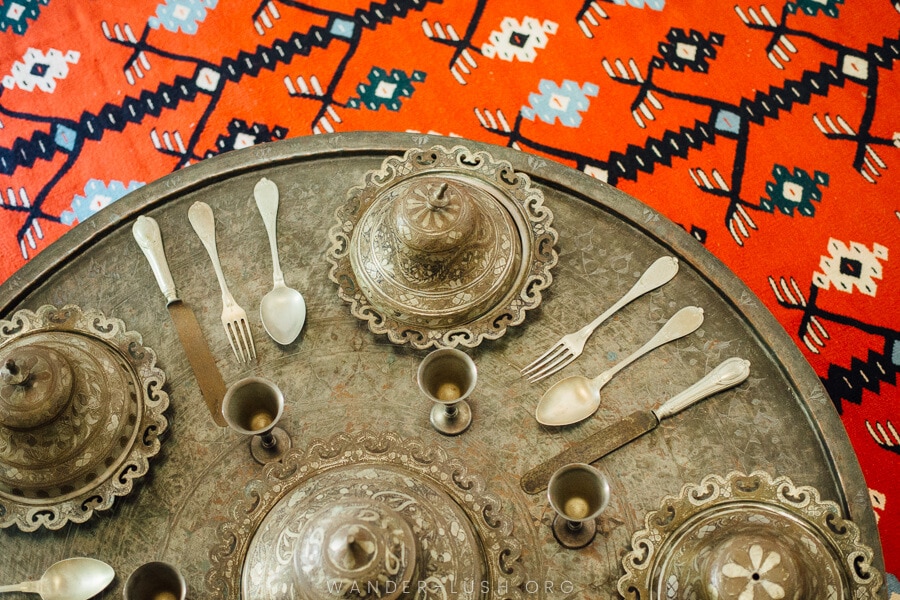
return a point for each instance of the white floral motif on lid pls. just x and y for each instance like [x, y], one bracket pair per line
[755, 573]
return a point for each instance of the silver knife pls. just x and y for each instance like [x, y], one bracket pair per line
[728, 374]
[209, 378]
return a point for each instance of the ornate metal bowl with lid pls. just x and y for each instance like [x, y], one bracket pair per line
[81, 411]
[443, 248]
[370, 516]
[748, 536]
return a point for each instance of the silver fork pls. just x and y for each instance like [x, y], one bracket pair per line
[571, 346]
[234, 319]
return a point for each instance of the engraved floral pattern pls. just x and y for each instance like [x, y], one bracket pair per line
[452, 517]
[748, 537]
[497, 275]
[96, 469]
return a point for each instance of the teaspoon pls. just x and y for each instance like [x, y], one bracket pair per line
[71, 579]
[283, 310]
[576, 398]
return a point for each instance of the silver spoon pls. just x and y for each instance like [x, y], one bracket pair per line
[71, 579]
[576, 398]
[283, 310]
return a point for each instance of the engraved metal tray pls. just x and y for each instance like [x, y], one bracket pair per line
[341, 378]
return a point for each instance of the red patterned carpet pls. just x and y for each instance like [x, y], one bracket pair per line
[768, 130]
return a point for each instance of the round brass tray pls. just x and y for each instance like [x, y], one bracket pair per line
[92, 453]
[339, 378]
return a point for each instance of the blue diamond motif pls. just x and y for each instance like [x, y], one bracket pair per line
[895, 353]
[728, 121]
[343, 28]
[97, 195]
[65, 137]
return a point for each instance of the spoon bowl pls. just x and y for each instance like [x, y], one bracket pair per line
[576, 398]
[70, 579]
[283, 310]
[283, 313]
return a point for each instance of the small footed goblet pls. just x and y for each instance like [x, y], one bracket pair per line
[155, 581]
[578, 493]
[253, 406]
[448, 376]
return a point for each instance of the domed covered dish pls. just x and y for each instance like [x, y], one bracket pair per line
[80, 415]
[367, 515]
[443, 247]
[748, 536]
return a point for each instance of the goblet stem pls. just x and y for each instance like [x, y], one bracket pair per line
[270, 446]
[451, 419]
[571, 534]
[267, 440]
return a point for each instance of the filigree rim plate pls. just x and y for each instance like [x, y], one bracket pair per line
[534, 218]
[503, 551]
[643, 562]
[135, 460]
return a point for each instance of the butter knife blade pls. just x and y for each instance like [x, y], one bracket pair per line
[209, 378]
[728, 374]
[592, 448]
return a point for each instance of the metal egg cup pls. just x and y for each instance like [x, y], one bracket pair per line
[447, 377]
[253, 406]
[578, 493]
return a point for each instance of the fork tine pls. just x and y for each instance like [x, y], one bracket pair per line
[240, 339]
[251, 350]
[229, 333]
[543, 358]
[552, 368]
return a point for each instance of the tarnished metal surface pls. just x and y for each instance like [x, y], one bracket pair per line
[339, 377]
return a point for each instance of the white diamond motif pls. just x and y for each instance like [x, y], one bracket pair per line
[686, 51]
[385, 89]
[243, 140]
[15, 11]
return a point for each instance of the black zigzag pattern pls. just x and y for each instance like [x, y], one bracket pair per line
[769, 105]
[644, 158]
[848, 384]
[636, 159]
[783, 99]
[111, 117]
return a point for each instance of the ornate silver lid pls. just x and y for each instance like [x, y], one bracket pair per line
[443, 247]
[748, 536]
[355, 549]
[368, 516]
[80, 415]
[36, 386]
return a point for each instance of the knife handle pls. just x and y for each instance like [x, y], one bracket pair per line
[728, 374]
[146, 233]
